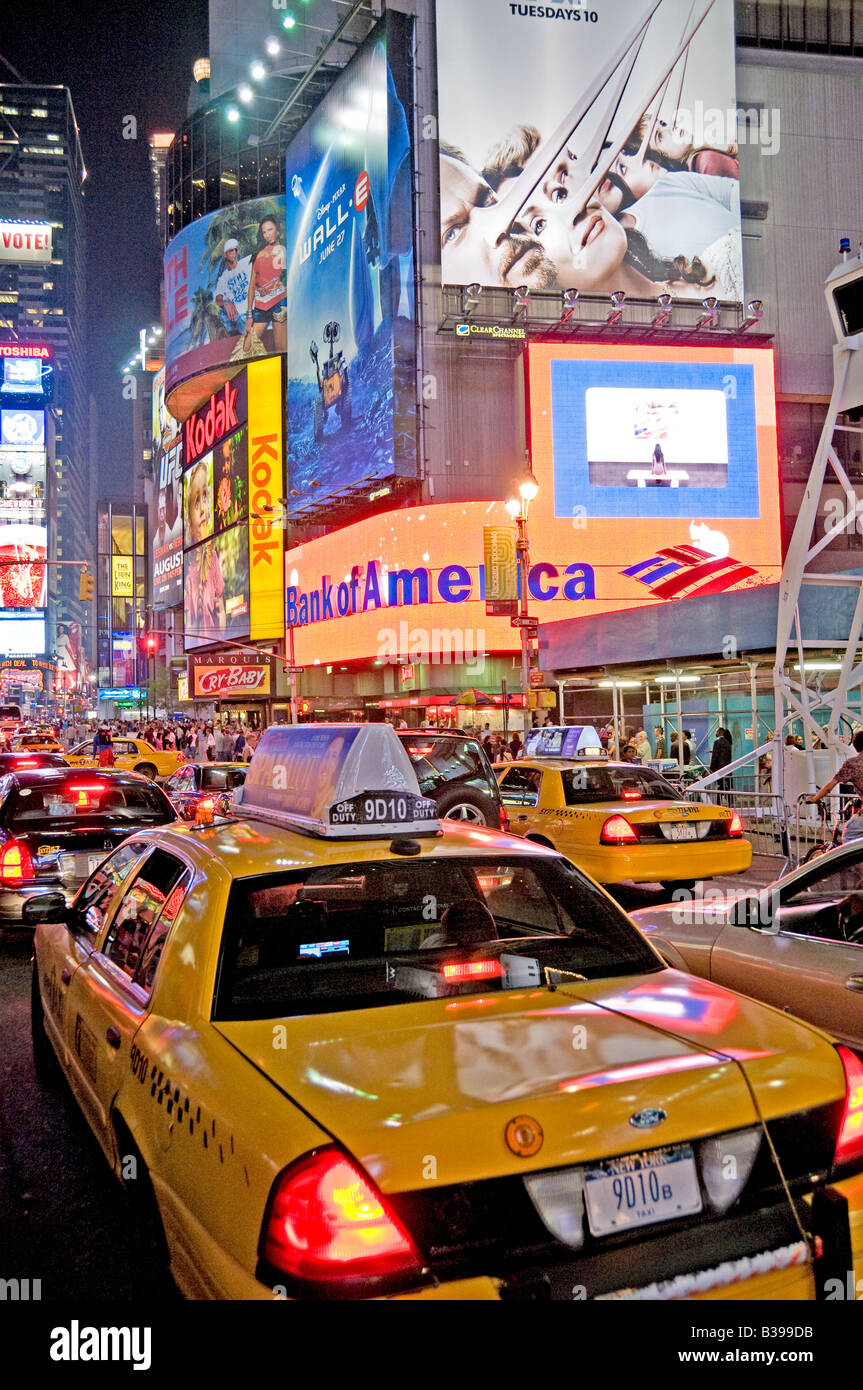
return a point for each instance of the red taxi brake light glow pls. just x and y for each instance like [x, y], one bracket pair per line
[26, 762]
[849, 1145]
[473, 970]
[735, 825]
[16, 863]
[631, 796]
[86, 786]
[617, 831]
[326, 1223]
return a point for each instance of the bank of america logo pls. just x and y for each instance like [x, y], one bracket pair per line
[680, 571]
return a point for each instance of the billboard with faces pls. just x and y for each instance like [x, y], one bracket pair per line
[600, 153]
[166, 507]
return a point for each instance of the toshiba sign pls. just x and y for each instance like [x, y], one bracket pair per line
[25, 241]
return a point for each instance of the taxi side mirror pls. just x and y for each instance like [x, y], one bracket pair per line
[48, 907]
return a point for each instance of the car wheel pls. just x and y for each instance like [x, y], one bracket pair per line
[147, 770]
[669, 884]
[149, 1231]
[45, 1062]
[465, 808]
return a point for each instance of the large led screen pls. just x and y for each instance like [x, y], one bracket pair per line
[224, 296]
[410, 584]
[217, 589]
[590, 149]
[350, 286]
[166, 509]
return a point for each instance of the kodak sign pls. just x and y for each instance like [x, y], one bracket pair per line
[266, 486]
[207, 427]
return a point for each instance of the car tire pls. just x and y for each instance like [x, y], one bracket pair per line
[464, 806]
[669, 884]
[147, 770]
[45, 1063]
[148, 1228]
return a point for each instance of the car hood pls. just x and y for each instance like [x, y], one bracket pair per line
[712, 910]
[443, 1079]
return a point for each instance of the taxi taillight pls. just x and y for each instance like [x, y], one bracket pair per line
[735, 826]
[327, 1225]
[205, 811]
[16, 863]
[849, 1145]
[617, 831]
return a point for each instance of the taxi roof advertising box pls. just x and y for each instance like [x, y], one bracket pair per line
[611, 528]
[337, 780]
[224, 298]
[349, 235]
[590, 149]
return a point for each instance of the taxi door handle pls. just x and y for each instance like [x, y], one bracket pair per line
[114, 1036]
[65, 975]
[855, 983]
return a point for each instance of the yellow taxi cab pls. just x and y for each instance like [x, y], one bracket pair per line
[35, 741]
[131, 754]
[346, 1050]
[618, 821]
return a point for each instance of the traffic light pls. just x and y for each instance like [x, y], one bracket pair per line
[151, 643]
[86, 587]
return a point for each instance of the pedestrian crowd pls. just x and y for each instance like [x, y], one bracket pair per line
[199, 742]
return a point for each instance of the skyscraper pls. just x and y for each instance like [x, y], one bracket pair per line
[42, 176]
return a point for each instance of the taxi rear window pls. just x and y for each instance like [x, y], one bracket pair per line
[583, 785]
[366, 935]
[74, 801]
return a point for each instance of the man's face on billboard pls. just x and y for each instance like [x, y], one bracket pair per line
[163, 511]
[472, 251]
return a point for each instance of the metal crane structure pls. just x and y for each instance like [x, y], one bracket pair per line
[809, 617]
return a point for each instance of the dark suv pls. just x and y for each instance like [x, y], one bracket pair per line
[452, 769]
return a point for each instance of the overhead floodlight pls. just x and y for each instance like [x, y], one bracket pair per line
[470, 297]
[232, 113]
[273, 47]
[245, 93]
[528, 487]
[710, 317]
[569, 300]
[672, 679]
[288, 22]
[754, 313]
[663, 313]
[618, 305]
[258, 71]
[520, 301]
[621, 685]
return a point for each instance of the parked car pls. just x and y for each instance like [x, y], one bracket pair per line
[209, 783]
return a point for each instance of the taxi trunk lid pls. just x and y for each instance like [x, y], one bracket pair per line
[430, 1090]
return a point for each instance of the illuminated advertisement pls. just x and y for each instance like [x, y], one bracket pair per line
[22, 429]
[22, 241]
[217, 588]
[122, 576]
[601, 151]
[266, 475]
[166, 508]
[26, 374]
[395, 588]
[349, 236]
[22, 484]
[224, 295]
[21, 636]
[227, 675]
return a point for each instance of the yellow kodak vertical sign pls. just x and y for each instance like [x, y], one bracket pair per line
[266, 478]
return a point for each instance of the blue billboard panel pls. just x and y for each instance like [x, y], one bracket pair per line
[350, 282]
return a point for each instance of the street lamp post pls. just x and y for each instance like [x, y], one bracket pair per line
[518, 509]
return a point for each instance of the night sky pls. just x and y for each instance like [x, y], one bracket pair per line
[117, 59]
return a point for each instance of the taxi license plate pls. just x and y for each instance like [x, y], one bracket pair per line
[681, 832]
[79, 865]
[640, 1189]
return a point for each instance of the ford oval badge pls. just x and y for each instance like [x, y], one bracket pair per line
[648, 1119]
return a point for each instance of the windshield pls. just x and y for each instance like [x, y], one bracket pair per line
[581, 785]
[364, 935]
[65, 804]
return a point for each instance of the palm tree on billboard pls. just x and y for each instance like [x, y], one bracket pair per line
[239, 222]
[205, 322]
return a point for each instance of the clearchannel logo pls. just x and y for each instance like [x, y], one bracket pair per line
[489, 330]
